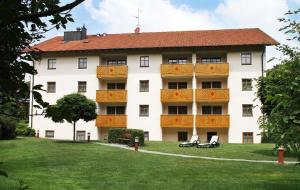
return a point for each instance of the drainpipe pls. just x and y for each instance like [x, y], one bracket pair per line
[194, 86]
[31, 99]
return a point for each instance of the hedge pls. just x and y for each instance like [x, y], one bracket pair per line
[7, 128]
[116, 133]
[23, 129]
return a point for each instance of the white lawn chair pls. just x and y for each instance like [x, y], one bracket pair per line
[194, 141]
[214, 142]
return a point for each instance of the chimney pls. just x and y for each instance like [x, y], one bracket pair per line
[79, 34]
[137, 30]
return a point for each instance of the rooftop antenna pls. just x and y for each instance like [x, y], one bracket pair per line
[137, 29]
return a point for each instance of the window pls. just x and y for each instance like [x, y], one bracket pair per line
[144, 110]
[247, 110]
[144, 86]
[211, 60]
[116, 62]
[49, 133]
[246, 58]
[207, 110]
[146, 136]
[177, 85]
[211, 84]
[177, 61]
[81, 86]
[51, 64]
[177, 110]
[115, 86]
[144, 61]
[82, 63]
[182, 136]
[247, 137]
[80, 135]
[246, 84]
[115, 110]
[51, 87]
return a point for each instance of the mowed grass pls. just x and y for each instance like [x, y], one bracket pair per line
[244, 151]
[57, 165]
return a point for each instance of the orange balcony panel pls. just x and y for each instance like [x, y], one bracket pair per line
[212, 121]
[176, 70]
[117, 121]
[212, 70]
[212, 95]
[112, 72]
[176, 121]
[176, 95]
[111, 96]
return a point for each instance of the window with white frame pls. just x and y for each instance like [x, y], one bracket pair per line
[211, 60]
[211, 84]
[81, 86]
[51, 64]
[177, 85]
[182, 60]
[246, 58]
[115, 110]
[82, 63]
[144, 61]
[208, 110]
[115, 86]
[49, 133]
[51, 87]
[144, 85]
[144, 110]
[146, 135]
[176, 110]
[247, 110]
[248, 137]
[116, 62]
[246, 84]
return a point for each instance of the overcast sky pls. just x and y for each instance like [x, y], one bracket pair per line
[117, 16]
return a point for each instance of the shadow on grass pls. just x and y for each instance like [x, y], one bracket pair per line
[268, 152]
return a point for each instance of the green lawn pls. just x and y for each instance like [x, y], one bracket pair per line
[56, 165]
[245, 151]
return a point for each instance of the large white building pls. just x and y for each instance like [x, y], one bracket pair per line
[169, 84]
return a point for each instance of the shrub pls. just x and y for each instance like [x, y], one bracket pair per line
[23, 129]
[7, 127]
[114, 134]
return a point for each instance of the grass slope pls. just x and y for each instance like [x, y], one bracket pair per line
[52, 165]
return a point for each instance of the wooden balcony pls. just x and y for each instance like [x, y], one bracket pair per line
[176, 121]
[112, 72]
[212, 95]
[212, 121]
[117, 121]
[111, 96]
[176, 70]
[212, 70]
[176, 95]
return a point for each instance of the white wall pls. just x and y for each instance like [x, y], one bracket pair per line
[237, 71]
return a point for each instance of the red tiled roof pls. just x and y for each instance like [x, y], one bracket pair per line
[200, 38]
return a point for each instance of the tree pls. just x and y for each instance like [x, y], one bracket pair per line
[72, 108]
[23, 23]
[279, 92]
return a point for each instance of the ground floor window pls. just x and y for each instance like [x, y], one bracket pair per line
[182, 136]
[210, 134]
[80, 135]
[146, 136]
[247, 137]
[49, 133]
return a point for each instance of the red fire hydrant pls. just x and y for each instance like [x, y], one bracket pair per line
[38, 134]
[89, 137]
[136, 143]
[280, 155]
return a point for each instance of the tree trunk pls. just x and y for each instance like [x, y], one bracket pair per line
[74, 124]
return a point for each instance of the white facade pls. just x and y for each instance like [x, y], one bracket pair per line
[66, 75]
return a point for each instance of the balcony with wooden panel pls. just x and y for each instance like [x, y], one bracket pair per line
[112, 72]
[212, 121]
[211, 70]
[212, 95]
[111, 96]
[111, 121]
[176, 121]
[176, 95]
[176, 70]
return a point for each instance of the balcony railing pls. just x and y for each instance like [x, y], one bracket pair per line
[212, 121]
[117, 121]
[112, 72]
[111, 96]
[176, 95]
[176, 70]
[176, 121]
[212, 95]
[212, 70]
